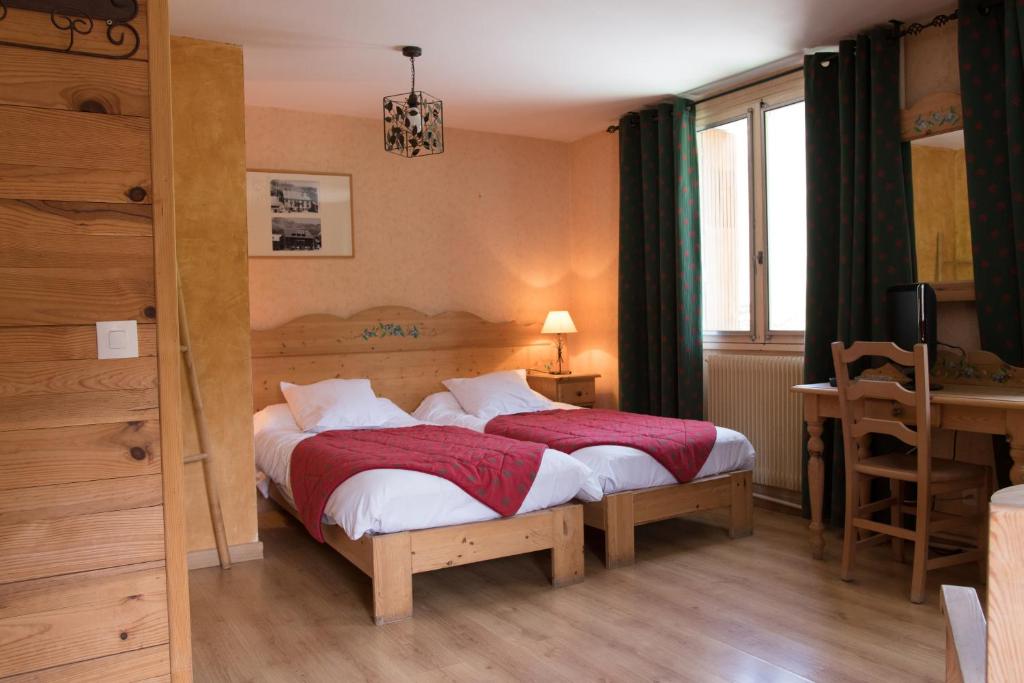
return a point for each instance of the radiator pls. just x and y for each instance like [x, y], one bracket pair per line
[750, 393]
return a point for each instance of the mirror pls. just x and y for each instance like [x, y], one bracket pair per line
[942, 221]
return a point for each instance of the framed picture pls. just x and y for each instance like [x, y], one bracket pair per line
[299, 214]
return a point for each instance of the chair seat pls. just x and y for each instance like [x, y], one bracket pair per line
[904, 466]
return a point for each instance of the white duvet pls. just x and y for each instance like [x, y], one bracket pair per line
[619, 468]
[389, 500]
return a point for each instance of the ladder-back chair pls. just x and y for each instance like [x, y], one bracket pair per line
[874, 407]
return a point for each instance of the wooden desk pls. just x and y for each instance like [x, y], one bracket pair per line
[968, 408]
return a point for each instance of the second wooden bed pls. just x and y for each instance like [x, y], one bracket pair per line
[617, 514]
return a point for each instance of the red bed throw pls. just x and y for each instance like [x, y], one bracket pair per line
[496, 471]
[681, 446]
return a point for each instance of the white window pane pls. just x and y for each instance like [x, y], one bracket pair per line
[723, 162]
[785, 164]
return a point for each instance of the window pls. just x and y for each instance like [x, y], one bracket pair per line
[724, 165]
[751, 158]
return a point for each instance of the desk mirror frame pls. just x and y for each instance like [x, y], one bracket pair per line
[936, 114]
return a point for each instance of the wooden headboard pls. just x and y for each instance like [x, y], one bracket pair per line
[404, 352]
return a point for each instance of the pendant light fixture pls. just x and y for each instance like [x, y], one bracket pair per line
[413, 121]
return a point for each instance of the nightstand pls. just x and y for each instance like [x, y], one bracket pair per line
[577, 390]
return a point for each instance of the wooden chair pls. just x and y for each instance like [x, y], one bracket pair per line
[872, 406]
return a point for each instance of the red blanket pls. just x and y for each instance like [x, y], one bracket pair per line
[498, 472]
[681, 446]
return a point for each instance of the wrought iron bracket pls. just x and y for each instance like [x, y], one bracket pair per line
[79, 18]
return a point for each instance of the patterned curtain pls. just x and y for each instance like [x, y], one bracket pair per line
[992, 91]
[660, 346]
[992, 88]
[859, 234]
[821, 122]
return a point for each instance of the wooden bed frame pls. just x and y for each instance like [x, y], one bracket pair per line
[407, 353]
[618, 514]
[390, 560]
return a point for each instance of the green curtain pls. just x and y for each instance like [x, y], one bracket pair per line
[992, 89]
[821, 122]
[660, 345]
[859, 234]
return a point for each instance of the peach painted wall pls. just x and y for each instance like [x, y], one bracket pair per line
[483, 227]
[594, 248]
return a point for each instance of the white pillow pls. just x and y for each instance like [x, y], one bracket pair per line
[393, 415]
[277, 416]
[334, 404]
[439, 408]
[497, 393]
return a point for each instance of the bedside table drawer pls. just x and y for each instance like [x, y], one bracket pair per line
[576, 393]
[577, 390]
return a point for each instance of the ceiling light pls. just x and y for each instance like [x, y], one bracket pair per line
[413, 121]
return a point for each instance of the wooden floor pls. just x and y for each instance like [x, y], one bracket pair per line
[696, 607]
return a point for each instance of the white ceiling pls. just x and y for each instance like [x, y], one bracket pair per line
[556, 69]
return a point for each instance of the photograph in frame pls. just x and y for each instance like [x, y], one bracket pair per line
[293, 214]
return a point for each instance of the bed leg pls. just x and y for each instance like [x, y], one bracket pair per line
[567, 545]
[619, 544]
[392, 578]
[741, 507]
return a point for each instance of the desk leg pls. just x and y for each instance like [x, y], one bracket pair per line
[816, 486]
[1015, 435]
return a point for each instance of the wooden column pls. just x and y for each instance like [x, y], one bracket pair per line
[168, 340]
[1006, 586]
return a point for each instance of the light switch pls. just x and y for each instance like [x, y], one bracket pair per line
[117, 339]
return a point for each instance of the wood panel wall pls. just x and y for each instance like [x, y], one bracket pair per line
[92, 573]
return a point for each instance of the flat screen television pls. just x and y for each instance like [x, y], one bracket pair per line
[911, 311]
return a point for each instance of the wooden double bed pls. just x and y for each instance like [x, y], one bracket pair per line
[407, 354]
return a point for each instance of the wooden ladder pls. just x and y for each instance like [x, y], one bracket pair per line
[205, 456]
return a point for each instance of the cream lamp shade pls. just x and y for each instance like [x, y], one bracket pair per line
[558, 322]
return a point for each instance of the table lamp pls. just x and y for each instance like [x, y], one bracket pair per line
[559, 323]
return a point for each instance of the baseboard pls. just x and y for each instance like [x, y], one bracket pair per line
[777, 499]
[243, 552]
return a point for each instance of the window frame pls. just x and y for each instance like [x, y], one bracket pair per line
[788, 336]
[749, 335]
[754, 101]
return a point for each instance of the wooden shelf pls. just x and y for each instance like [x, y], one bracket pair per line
[954, 291]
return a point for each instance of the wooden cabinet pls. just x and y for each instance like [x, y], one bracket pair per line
[93, 582]
[577, 390]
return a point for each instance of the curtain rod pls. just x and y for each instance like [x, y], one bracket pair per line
[898, 32]
[730, 91]
[938, 20]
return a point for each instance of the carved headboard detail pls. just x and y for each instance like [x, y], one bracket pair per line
[404, 352]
